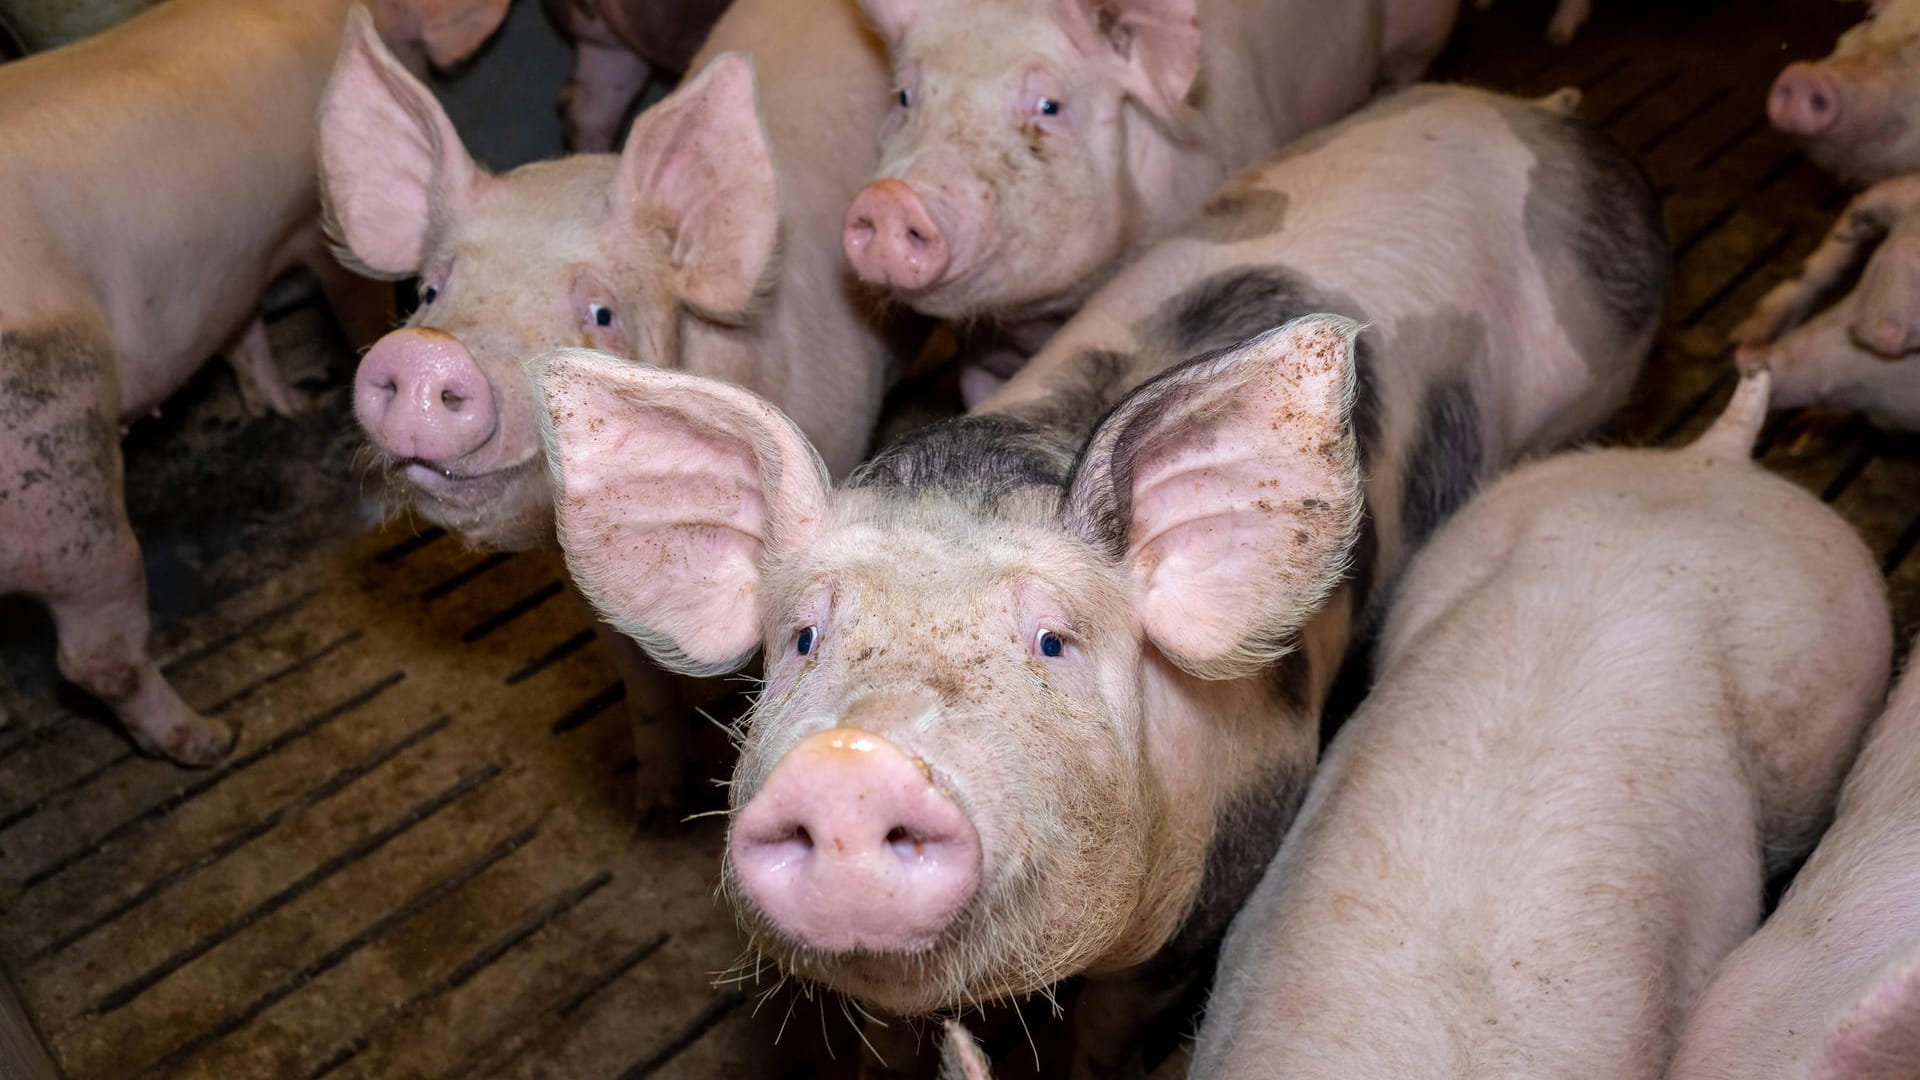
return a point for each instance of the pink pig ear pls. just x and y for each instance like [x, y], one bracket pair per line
[960, 1057]
[698, 168]
[1879, 1037]
[390, 161]
[1158, 41]
[453, 30]
[669, 490]
[1231, 487]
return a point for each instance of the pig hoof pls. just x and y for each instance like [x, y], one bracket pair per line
[195, 744]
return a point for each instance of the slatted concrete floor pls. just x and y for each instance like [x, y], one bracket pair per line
[418, 862]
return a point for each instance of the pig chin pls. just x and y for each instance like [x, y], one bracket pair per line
[508, 509]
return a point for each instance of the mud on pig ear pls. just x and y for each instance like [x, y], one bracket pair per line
[1156, 41]
[390, 160]
[1879, 1037]
[697, 166]
[669, 489]
[1230, 488]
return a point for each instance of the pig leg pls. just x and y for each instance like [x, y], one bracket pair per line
[605, 80]
[1839, 257]
[1887, 316]
[69, 542]
[660, 715]
[263, 388]
[1107, 1022]
[1567, 20]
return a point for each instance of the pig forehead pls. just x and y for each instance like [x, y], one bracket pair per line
[979, 39]
[556, 207]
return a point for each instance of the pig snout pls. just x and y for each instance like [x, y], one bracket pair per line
[851, 845]
[419, 395]
[892, 240]
[1805, 100]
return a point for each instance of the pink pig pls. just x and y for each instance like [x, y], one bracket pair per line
[1829, 989]
[153, 180]
[1614, 691]
[709, 245]
[1859, 109]
[1033, 145]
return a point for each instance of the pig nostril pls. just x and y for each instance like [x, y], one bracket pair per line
[799, 837]
[905, 843]
[1818, 101]
[915, 236]
[451, 400]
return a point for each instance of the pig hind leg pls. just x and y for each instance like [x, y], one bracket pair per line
[661, 706]
[65, 516]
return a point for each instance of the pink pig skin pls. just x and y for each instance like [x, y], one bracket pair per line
[153, 180]
[1829, 989]
[619, 45]
[1614, 691]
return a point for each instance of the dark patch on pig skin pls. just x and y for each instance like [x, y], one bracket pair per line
[1445, 462]
[1587, 197]
[1246, 836]
[1080, 393]
[1238, 212]
[59, 427]
[981, 457]
[1227, 309]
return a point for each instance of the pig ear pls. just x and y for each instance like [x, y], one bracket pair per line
[453, 30]
[669, 490]
[1231, 487]
[698, 168]
[889, 18]
[1880, 1035]
[1158, 41]
[389, 157]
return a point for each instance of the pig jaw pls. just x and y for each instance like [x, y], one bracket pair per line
[1041, 755]
[1024, 202]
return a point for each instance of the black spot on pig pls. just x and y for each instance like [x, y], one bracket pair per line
[1445, 461]
[59, 432]
[1245, 838]
[1240, 211]
[40, 367]
[980, 457]
[1081, 391]
[1594, 224]
[1227, 309]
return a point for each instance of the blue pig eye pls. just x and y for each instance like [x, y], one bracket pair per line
[1048, 107]
[601, 314]
[905, 101]
[804, 643]
[427, 294]
[1049, 643]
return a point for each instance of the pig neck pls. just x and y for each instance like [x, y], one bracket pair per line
[212, 101]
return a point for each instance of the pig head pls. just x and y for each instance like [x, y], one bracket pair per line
[1858, 109]
[1020, 147]
[991, 657]
[618, 254]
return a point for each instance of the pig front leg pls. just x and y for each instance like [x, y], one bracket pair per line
[660, 713]
[263, 389]
[63, 512]
[605, 80]
[1839, 257]
[1567, 20]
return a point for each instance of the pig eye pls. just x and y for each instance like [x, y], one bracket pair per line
[1047, 106]
[1048, 644]
[601, 314]
[428, 294]
[805, 642]
[905, 99]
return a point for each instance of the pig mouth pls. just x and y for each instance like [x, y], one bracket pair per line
[489, 508]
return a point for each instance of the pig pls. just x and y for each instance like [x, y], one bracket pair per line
[1568, 17]
[1855, 110]
[709, 245]
[618, 46]
[1043, 682]
[1859, 353]
[1033, 147]
[1830, 986]
[153, 180]
[1614, 692]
